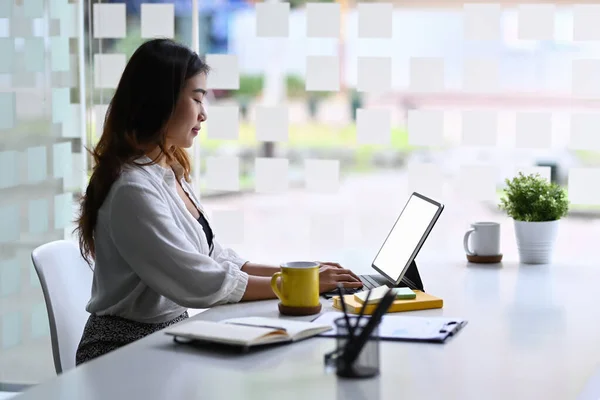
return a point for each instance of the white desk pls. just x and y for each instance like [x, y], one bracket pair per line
[533, 333]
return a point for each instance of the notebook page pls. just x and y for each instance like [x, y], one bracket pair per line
[295, 329]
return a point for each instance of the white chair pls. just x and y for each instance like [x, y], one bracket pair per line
[66, 281]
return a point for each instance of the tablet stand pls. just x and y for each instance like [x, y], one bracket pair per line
[412, 277]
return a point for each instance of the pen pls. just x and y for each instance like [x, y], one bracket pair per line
[354, 348]
[357, 325]
[350, 328]
[279, 328]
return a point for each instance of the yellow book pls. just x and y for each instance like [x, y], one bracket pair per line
[423, 301]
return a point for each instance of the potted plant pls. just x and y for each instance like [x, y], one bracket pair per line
[536, 206]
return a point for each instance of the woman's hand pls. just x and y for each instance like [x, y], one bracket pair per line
[330, 274]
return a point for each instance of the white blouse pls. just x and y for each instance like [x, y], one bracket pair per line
[153, 260]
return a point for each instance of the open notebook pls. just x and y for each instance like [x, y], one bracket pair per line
[247, 331]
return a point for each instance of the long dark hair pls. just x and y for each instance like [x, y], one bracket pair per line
[141, 106]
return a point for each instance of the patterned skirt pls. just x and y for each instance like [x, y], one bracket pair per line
[103, 334]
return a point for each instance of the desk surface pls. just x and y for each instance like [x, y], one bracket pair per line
[532, 334]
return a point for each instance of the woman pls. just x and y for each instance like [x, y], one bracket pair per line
[154, 251]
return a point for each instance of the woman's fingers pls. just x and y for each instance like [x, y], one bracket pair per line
[347, 281]
[338, 268]
[349, 273]
[345, 278]
[354, 275]
[356, 285]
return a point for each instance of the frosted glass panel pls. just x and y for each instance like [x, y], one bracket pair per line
[7, 49]
[6, 8]
[62, 160]
[21, 27]
[108, 69]
[11, 330]
[158, 20]
[33, 8]
[39, 321]
[63, 210]
[4, 26]
[58, 8]
[10, 277]
[71, 127]
[41, 74]
[109, 21]
[7, 110]
[9, 215]
[68, 22]
[60, 104]
[34, 55]
[38, 216]
[36, 164]
[99, 116]
[59, 53]
[24, 79]
[8, 169]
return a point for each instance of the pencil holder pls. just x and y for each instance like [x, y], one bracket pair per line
[366, 365]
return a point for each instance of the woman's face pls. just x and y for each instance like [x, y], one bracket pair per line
[184, 124]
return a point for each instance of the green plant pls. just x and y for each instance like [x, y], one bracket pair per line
[300, 3]
[296, 89]
[250, 86]
[532, 198]
[295, 86]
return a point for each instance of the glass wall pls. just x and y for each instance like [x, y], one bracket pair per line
[41, 167]
[60, 61]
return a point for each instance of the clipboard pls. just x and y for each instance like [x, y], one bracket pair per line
[405, 328]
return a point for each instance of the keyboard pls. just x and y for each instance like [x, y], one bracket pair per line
[371, 281]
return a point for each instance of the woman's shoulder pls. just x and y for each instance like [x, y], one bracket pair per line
[134, 179]
[131, 173]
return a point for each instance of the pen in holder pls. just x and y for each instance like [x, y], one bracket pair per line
[366, 364]
[357, 352]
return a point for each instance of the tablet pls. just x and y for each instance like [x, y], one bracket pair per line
[407, 236]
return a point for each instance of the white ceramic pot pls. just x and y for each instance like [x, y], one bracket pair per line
[535, 241]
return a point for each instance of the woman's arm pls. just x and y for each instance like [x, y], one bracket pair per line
[258, 288]
[259, 269]
[330, 275]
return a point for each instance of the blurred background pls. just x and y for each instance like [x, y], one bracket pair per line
[309, 167]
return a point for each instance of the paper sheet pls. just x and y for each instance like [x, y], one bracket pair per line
[396, 327]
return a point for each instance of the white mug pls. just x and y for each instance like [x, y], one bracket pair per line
[485, 241]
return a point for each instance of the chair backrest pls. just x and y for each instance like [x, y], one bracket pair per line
[66, 281]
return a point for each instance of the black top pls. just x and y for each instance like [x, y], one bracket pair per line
[207, 230]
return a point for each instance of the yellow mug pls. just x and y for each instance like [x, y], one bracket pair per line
[299, 284]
